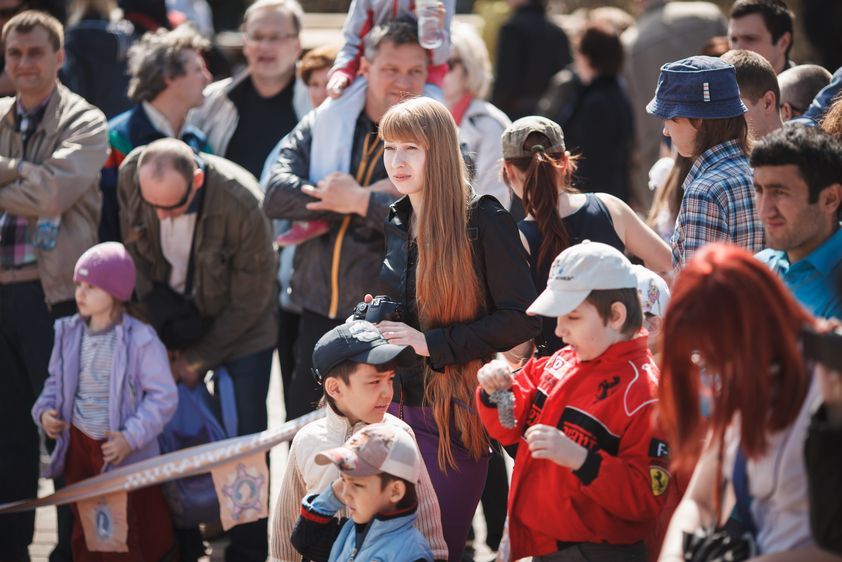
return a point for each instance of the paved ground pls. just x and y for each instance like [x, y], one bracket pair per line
[45, 519]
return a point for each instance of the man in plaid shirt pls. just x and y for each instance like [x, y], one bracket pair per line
[699, 100]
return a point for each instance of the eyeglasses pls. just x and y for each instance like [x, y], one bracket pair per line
[272, 38]
[451, 63]
[181, 202]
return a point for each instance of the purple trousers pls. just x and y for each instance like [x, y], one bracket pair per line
[458, 490]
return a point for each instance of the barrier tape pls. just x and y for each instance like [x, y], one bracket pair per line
[171, 466]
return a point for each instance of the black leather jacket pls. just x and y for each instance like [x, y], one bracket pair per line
[356, 250]
[501, 264]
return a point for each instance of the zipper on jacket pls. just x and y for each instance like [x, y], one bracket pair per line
[363, 178]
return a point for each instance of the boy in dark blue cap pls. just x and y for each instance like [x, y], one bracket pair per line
[699, 100]
[356, 366]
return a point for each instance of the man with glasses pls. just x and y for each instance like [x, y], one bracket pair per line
[244, 117]
[168, 77]
[194, 226]
[52, 145]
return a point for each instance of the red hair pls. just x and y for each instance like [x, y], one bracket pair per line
[739, 317]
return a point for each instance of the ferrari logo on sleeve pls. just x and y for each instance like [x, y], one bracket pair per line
[660, 479]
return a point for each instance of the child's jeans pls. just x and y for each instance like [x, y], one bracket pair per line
[150, 529]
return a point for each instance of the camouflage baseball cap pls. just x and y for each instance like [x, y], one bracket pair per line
[514, 137]
[374, 449]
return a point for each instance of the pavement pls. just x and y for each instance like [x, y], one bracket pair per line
[45, 518]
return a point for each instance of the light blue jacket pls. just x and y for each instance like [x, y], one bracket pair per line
[387, 540]
[142, 396]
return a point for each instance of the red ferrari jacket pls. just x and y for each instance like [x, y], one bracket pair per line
[606, 406]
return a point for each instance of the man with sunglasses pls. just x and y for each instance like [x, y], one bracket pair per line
[195, 228]
[52, 145]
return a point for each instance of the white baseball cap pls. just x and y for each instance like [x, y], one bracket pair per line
[653, 291]
[577, 271]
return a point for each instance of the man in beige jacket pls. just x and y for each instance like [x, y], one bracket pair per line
[52, 146]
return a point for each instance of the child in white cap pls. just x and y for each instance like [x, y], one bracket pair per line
[380, 466]
[591, 472]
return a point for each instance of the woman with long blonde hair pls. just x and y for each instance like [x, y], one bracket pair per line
[456, 264]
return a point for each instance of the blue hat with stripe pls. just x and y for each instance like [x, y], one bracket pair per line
[697, 88]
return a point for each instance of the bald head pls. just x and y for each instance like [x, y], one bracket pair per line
[168, 176]
[799, 85]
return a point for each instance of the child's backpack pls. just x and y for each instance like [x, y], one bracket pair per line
[193, 500]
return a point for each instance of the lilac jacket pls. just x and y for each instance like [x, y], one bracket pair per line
[143, 396]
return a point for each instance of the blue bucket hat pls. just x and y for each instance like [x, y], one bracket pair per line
[697, 88]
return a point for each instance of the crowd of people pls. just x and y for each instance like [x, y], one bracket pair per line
[616, 259]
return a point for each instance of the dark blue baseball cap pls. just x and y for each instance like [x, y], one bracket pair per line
[697, 88]
[358, 341]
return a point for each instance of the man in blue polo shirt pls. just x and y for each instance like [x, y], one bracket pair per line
[798, 182]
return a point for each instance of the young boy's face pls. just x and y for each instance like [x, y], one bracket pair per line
[365, 497]
[366, 396]
[585, 330]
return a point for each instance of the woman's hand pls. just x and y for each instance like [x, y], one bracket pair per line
[399, 333]
[546, 442]
[495, 375]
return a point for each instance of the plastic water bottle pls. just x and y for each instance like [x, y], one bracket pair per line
[429, 32]
[46, 233]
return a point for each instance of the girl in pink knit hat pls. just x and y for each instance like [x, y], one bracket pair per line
[107, 398]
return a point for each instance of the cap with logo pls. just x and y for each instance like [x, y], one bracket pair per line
[374, 449]
[577, 271]
[358, 341]
[653, 291]
[514, 137]
[697, 88]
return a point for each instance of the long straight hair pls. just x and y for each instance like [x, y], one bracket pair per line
[544, 174]
[447, 286]
[734, 314]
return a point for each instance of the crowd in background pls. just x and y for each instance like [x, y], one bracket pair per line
[531, 216]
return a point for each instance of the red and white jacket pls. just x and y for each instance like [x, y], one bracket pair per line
[606, 406]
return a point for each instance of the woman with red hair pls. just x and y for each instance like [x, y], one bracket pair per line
[737, 396]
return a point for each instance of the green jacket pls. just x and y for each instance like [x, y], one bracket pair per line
[235, 264]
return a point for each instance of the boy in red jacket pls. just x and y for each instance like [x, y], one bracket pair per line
[590, 474]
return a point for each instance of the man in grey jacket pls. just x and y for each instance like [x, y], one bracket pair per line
[334, 271]
[52, 145]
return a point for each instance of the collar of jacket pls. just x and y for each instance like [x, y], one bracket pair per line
[49, 122]
[339, 425]
[623, 350]
[123, 327]
[400, 214]
[383, 524]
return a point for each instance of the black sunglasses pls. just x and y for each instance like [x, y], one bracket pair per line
[181, 202]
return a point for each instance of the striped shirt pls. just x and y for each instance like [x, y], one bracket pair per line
[718, 205]
[90, 409]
